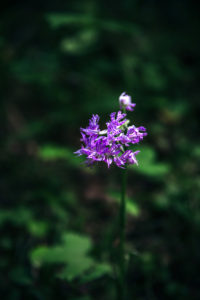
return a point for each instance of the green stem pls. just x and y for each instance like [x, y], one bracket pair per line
[122, 222]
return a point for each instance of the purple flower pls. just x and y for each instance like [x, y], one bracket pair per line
[93, 127]
[111, 144]
[125, 102]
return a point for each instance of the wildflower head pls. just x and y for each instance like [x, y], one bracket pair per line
[112, 144]
[125, 102]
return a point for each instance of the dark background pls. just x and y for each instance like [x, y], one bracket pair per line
[60, 62]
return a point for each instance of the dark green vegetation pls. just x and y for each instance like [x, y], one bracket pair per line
[59, 63]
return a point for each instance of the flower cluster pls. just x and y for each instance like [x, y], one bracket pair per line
[111, 145]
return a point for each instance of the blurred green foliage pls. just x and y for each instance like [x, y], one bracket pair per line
[73, 253]
[131, 207]
[61, 62]
[148, 166]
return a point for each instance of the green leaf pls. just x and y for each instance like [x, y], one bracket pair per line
[147, 164]
[38, 228]
[19, 217]
[81, 42]
[77, 244]
[99, 271]
[52, 153]
[62, 19]
[76, 267]
[49, 152]
[73, 252]
[44, 254]
[131, 207]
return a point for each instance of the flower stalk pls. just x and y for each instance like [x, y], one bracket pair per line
[122, 223]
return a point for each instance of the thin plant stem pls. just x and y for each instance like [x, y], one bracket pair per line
[122, 223]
